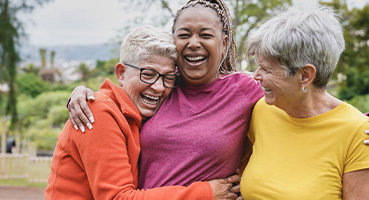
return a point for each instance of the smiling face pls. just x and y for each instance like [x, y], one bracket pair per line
[200, 43]
[146, 97]
[279, 90]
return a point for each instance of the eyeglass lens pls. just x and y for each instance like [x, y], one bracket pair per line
[151, 76]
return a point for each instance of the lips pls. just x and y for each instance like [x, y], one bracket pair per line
[195, 60]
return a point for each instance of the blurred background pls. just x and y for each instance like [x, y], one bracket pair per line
[48, 47]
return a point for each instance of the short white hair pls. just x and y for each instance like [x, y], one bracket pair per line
[146, 41]
[299, 37]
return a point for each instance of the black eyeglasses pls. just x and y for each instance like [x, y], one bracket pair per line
[150, 76]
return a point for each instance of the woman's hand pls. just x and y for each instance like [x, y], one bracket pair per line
[221, 189]
[236, 188]
[366, 132]
[79, 112]
[366, 141]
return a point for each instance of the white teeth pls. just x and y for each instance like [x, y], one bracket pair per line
[151, 97]
[149, 102]
[195, 58]
[154, 100]
[265, 89]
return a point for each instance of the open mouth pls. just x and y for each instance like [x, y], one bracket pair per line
[195, 59]
[151, 100]
[266, 89]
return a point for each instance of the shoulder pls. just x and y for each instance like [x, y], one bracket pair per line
[353, 115]
[103, 102]
[245, 82]
[240, 77]
[109, 106]
[262, 109]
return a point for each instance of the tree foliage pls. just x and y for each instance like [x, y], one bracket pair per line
[354, 62]
[31, 84]
[248, 15]
[10, 32]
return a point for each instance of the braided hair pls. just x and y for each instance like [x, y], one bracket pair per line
[228, 63]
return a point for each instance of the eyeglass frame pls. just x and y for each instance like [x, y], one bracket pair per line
[160, 75]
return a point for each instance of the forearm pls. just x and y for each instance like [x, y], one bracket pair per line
[195, 191]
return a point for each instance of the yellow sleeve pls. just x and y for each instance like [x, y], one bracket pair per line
[357, 157]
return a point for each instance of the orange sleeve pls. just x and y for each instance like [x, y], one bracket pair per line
[103, 152]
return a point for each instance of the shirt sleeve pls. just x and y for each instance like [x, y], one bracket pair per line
[105, 159]
[358, 153]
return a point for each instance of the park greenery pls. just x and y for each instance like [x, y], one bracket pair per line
[33, 108]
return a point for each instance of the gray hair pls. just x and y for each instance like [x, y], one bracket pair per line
[299, 37]
[146, 41]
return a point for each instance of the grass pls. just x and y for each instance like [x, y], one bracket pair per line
[21, 183]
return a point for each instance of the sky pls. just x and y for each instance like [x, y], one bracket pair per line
[80, 22]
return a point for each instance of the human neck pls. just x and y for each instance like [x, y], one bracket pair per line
[316, 102]
[198, 83]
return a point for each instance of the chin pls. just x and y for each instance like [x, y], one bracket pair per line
[269, 101]
[145, 114]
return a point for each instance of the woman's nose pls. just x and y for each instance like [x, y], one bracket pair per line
[158, 85]
[194, 42]
[257, 74]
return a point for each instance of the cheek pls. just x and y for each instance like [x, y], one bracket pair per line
[135, 90]
[166, 93]
[179, 45]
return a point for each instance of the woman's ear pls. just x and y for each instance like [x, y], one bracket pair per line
[120, 69]
[225, 43]
[308, 73]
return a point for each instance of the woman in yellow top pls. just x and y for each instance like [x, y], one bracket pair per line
[307, 143]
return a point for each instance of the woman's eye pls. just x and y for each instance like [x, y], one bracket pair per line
[205, 35]
[170, 77]
[184, 35]
[148, 74]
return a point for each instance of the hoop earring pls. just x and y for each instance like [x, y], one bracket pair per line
[304, 90]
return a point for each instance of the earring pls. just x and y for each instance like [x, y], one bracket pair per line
[304, 90]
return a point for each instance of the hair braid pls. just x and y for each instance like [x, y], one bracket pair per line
[228, 63]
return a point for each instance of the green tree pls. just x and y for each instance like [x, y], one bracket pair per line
[8, 54]
[353, 65]
[31, 69]
[10, 32]
[31, 84]
[84, 71]
[106, 67]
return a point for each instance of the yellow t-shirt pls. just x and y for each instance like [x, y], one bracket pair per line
[303, 158]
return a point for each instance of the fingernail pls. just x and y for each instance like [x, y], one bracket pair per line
[76, 127]
[366, 141]
[89, 126]
[82, 129]
[91, 98]
[92, 119]
[367, 132]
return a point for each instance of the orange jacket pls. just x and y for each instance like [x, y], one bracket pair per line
[102, 163]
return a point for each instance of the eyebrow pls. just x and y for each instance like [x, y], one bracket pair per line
[202, 29]
[206, 29]
[148, 67]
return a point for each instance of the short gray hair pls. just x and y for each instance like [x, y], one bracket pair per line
[299, 37]
[146, 41]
